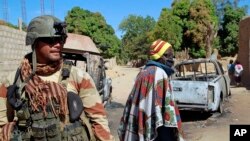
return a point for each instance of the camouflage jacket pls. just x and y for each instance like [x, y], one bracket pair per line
[79, 82]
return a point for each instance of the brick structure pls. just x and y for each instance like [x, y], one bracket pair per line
[12, 49]
[244, 49]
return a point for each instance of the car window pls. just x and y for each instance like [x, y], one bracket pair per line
[196, 68]
[77, 59]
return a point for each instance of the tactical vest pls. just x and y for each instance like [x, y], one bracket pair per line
[35, 126]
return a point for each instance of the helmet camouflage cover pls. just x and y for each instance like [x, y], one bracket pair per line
[45, 26]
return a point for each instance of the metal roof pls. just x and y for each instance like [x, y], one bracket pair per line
[79, 44]
[199, 60]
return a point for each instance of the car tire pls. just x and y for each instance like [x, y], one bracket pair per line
[230, 93]
[107, 103]
[221, 106]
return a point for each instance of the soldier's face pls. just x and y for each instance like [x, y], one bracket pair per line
[49, 50]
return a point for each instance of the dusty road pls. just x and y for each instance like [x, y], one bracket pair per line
[197, 126]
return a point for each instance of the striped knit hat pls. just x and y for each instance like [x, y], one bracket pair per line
[158, 48]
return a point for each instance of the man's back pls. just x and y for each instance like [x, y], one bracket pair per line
[147, 104]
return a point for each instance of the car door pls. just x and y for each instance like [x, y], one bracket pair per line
[225, 80]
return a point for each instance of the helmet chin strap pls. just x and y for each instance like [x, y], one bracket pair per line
[34, 64]
[34, 60]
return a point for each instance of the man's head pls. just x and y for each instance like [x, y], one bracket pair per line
[162, 51]
[46, 34]
[231, 61]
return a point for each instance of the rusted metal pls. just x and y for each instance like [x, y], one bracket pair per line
[203, 87]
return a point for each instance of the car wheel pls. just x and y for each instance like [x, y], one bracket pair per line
[221, 106]
[107, 102]
[107, 90]
[230, 93]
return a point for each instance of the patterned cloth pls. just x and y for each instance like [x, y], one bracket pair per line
[238, 70]
[7, 130]
[80, 83]
[149, 106]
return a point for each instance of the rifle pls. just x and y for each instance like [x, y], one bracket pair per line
[13, 96]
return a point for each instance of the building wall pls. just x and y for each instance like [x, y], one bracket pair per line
[244, 50]
[12, 49]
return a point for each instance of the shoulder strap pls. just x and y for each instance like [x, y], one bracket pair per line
[14, 91]
[18, 71]
[88, 127]
[18, 82]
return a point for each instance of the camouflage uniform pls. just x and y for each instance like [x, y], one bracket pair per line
[78, 82]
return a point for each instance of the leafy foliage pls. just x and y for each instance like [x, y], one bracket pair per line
[230, 30]
[194, 25]
[135, 40]
[168, 28]
[202, 26]
[91, 24]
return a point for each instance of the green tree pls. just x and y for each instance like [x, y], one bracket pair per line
[135, 37]
[180, 9]
[94, 25]
[220, 10]
[168, 28]
[202, 27]
[229, 16]
[230, 29]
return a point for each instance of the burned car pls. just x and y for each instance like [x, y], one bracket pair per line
[200, 84]
[83, 53]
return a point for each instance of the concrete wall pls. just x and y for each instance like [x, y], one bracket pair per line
[12, 49]
[244, 50]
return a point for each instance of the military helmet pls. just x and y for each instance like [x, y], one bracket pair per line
[45, 26]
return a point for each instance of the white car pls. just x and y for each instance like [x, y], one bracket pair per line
[200, 84]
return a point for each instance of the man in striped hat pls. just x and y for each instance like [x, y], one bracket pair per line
[150, 112]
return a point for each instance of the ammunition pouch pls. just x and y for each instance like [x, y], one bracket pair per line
[16, 136]
[50, 131]
[75, 132]
[23, 115]
[45, 129]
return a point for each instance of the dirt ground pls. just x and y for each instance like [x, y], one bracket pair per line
[197, 126]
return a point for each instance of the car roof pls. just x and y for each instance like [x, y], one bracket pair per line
[200, 60]
[79, 44]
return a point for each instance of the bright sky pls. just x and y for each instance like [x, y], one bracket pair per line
[114, 11]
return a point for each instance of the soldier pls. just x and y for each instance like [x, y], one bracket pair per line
[48, 95]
